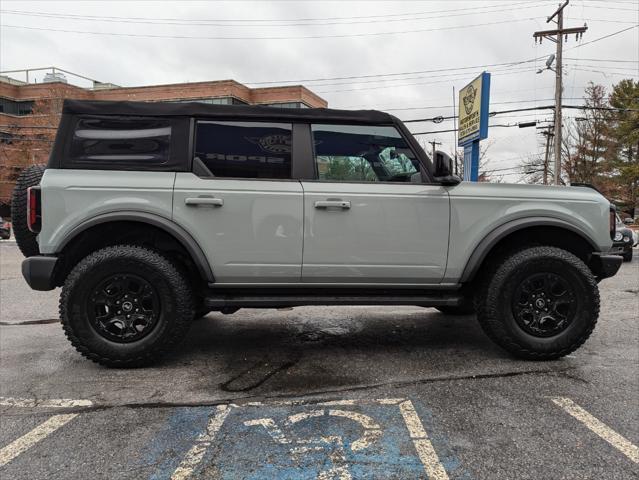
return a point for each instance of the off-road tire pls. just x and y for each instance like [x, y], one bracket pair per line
[495, 312]
[174, 292]
[627, 257]
[25, 238]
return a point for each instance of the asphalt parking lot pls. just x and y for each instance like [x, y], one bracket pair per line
[327, 393]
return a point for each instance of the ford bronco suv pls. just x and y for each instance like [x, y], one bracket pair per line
[149, 215]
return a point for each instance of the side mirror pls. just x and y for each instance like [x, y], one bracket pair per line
[629, 221]
[444, 169]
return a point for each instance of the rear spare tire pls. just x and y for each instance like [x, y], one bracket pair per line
[25, 238]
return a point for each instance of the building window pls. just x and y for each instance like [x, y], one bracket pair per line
[245, 149]
[139, 140]
[287, 105]
[213, 101]
[16, 107]
[353, 153]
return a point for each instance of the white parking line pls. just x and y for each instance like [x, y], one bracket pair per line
[51, 403]
[609, 435]
[423, 445]
[28, 440]
[195, 455]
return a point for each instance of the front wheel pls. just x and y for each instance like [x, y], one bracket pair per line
[627, 257]
[125, 306]
[540, 303]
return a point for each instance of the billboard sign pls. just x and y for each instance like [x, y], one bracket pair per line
[473, 110]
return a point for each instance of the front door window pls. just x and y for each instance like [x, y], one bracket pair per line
[354, 153]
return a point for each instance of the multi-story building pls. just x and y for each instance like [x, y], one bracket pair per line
[30, 110]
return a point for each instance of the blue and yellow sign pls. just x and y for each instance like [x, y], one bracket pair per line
[473, 122]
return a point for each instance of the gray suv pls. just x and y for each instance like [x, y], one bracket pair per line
[151, 214]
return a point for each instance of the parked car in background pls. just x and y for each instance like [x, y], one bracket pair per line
[5, 229]
[623, 241]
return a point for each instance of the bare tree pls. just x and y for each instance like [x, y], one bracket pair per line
[534, 170]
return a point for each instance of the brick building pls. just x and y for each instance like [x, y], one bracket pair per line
[30, 111]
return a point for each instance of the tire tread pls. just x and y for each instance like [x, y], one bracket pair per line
[179, 326]
[496, 278]
[25, 238]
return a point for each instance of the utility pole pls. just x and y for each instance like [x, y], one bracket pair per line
[548, 134]
[558, 36]
[434, 144]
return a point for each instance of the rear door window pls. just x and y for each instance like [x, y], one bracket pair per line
[245, 149]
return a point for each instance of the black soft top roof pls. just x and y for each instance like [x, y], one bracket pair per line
[195, 109]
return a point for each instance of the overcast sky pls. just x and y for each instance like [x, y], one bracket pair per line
[427, 48]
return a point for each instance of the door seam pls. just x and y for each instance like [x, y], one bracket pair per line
[303, 229]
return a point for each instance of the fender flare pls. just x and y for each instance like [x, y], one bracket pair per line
[495, 236]
[170, 227]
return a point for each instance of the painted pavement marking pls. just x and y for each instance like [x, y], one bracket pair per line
[597, 426]
[43, 430]
[332, 446]
[194, 456]
[51, 403]
[423, 445]
[28, 440]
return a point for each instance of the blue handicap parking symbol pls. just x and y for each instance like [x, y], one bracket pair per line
[346, 440]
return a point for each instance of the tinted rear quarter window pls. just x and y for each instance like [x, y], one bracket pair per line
[245, 149]
[121, 140]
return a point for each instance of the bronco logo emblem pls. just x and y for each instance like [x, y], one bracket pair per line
[469, 99]
[276, 143]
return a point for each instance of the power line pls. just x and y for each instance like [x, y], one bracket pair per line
[510, 72]
[316, 19]
[607, 7]
[526, 109]
[605, 36]
[252, 23]
[301, 37]
[436, 70]
[492, 103]
[513, 68]
[622, 74]
[602, 60]
[604, 67]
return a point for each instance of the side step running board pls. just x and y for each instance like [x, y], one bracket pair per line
[438, 299]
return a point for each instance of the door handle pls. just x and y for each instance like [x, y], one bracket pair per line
[210, 201]
[344, 205]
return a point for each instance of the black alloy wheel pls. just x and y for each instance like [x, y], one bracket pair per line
[124, 308]
[544, 304]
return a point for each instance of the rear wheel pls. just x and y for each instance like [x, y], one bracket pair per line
[540, 303]
[125, 306]
[25, 238]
